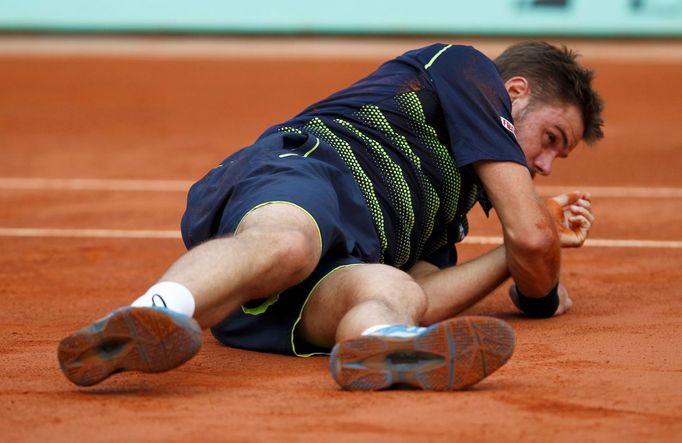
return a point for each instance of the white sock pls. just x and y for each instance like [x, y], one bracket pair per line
[168, 294]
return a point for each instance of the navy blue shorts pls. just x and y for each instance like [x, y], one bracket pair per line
[301, 170]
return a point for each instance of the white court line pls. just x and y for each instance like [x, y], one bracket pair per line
[594, 242]
[93, 184]
[152, 234]
[309, 48]
[88, 233]
[615, 191]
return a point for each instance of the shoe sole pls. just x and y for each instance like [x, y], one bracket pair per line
[450, 355]
[129, 339]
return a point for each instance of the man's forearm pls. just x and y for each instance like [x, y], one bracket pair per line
[452, 290]
[530, 236]
[535, 264]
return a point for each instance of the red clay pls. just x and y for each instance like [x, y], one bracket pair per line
[609, 371]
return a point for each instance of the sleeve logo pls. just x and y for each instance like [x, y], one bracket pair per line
[508, 125]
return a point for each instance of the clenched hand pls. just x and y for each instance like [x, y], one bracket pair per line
[573, 214]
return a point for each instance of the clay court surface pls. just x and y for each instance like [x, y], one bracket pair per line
[100, 140]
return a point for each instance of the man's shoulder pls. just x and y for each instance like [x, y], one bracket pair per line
[446, 52]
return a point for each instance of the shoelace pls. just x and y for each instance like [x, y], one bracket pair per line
[160, 298]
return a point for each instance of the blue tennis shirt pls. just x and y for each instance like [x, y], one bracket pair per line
[384, 167]
[409, 133]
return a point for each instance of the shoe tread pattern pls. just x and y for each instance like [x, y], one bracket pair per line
[450, 355]
[129, 339]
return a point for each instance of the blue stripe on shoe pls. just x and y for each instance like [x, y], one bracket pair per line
[399, 331]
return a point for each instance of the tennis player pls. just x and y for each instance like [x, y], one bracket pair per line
[335, 231]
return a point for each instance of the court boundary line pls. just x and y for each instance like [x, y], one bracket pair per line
[591, 242]
[175, 235]
[308, 48]
[90, 233]
[150, 185]
[93, 184]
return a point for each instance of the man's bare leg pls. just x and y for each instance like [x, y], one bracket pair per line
[355, 298]
[371, 313]
[276, 246]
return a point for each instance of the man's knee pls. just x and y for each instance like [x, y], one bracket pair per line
[293, 249]
[407, 294]
[391, 287]
[287, 236]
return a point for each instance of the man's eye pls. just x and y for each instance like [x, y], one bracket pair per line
[551, 138]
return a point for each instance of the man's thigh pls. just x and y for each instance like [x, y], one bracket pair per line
[349, 286]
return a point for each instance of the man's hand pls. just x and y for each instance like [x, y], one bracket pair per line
[573, 215]
[565, 302]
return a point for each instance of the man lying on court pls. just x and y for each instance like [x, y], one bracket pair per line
[336, 229]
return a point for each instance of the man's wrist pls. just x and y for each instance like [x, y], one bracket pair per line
[539, 307]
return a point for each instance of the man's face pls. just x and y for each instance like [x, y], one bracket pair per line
[545, 131]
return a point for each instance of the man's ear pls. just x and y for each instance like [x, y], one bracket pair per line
[517, 87]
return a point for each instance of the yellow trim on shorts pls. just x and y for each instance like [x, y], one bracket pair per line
[273, 299]
[258, 310]
[300, 314]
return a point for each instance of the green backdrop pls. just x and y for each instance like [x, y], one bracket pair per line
[616, 18]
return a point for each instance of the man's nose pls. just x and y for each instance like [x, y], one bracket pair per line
[543, 164]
